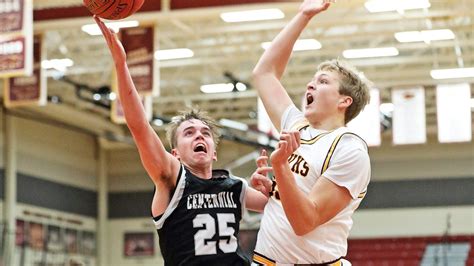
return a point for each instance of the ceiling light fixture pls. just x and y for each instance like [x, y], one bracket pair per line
[217, 88]
[58, 64]
[452, 73]
[93, 29]
[375, 6]
[424, 36]
[370, 52]
[252, 15]
[234, 124]
[300, 45]
[173, 54]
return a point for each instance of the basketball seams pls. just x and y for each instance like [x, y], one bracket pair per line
[99, 6]
[113, 9]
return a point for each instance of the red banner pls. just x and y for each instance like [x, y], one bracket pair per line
[12, 54]
[139, 46]
[16, 37]
[28, 90]
[11, 15]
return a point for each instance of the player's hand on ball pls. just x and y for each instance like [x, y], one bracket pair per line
[115, 46]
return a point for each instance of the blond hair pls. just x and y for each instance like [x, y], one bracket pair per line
[352, 84]
[189, 114]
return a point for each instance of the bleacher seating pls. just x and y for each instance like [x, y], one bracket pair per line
[412, 251]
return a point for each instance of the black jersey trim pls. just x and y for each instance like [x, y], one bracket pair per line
[156, 218]
[175, 198]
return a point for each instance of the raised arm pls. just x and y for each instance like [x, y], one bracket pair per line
[269, 69]
[157, 161]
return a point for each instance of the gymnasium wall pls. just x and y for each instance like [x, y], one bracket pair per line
[56, 192]
[57, 154]
[413, 191]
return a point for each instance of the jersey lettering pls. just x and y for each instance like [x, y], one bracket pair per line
[274, 192]
[298, 165]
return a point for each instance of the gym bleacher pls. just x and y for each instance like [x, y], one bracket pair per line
[412, 251]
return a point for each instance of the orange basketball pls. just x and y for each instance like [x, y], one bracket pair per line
[113, 9]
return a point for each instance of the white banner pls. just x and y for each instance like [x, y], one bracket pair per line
[265, 124]
[367, 123]
[453, 103]
[409, 118]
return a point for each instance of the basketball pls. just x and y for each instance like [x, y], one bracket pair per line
[113, 9]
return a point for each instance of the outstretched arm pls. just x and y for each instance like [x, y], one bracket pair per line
[156, 160]
[269, 69]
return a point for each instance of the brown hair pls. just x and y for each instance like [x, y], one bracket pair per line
[352, 84]
[189, 114]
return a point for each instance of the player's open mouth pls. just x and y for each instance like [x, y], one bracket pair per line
[200, 148]
[309, 98]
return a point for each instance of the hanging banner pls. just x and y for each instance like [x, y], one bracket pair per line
[453, 102]
[11, 15]
[409, 118]
[265, 125]
[367, 123]
[28, 90]
[118, 116]
[16, 37]
[139, 45]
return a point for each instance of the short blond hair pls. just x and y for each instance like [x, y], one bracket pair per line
[189, 114]
[352, 84]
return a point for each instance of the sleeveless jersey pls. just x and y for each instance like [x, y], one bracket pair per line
[338, 155]
[201, 223]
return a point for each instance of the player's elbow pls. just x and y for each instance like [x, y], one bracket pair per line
[256, 75]
[305, 228]
[301, 231]
[260, 71]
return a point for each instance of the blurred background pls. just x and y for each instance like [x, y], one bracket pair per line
[73, 190]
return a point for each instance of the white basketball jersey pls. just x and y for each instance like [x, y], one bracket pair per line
[338, 155]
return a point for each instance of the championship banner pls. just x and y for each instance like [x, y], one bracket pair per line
[118, 116]
[28, 90]
[16, 37]
[11, 15]
[453, 102]
[409, 117]
[139, 44]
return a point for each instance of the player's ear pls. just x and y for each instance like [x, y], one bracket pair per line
[345, 101]
[175, 153]
[214, 156]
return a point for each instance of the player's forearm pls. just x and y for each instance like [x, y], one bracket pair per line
[255, 200]
[299, 209]
[275, 58]
[132, 105]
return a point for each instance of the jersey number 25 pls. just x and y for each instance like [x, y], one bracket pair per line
[202, 239]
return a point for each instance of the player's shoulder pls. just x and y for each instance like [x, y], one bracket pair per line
[347, 137]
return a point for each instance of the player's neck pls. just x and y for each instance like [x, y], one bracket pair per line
[203, 172]
[328, 124]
